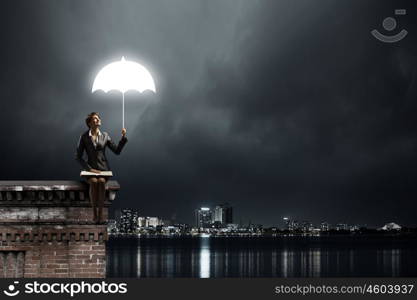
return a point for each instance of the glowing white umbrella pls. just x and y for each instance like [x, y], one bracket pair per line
[123, 75]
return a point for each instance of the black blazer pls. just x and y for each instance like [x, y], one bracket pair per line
[97, 155]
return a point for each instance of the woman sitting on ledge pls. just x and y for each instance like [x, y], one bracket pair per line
[94, 142]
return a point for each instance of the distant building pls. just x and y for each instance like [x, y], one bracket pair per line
[223, 214]
[232, 226]
[391, 226]
[128, 220]
[255, 227]
[342, 226]
[149, 222]
[324, 226]
[286, 223]
[217, 224]
[354, 227]
[112, 226]
[307, 226]
[291, 225]
[177, 228]
[203, 217]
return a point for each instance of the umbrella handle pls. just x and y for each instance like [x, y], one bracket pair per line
[123, 110]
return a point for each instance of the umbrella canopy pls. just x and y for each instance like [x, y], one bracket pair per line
[123, 76]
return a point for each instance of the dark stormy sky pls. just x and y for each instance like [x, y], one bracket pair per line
[281, 108]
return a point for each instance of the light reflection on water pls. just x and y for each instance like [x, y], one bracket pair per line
[261, 257]
[204, 263]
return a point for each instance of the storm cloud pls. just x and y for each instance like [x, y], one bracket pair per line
[281, 108]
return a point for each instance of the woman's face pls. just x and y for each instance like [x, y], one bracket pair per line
[95, 121]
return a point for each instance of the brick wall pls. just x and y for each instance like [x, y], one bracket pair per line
[47, 230]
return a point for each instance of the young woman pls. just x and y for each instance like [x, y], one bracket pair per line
[94, 143]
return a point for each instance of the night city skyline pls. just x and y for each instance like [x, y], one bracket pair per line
[282, 222]
[280, 108]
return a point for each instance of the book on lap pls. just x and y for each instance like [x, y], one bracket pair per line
[102, 173]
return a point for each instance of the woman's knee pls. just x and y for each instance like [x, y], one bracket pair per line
[101, 180]
[92, 180]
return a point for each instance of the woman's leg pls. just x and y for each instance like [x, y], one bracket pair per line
[101, 198]
[93, 195]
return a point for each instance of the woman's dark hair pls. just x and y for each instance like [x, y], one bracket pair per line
[89, 117]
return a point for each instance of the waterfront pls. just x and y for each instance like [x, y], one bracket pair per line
[285, 256]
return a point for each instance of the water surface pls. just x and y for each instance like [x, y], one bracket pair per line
[292, 256]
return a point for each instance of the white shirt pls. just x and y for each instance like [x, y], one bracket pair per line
[92, 138]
